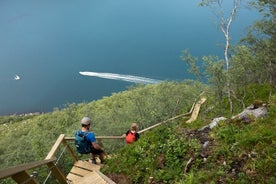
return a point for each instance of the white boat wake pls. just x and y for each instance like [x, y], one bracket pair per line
[128, 78]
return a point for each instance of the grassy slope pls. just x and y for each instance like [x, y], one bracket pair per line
[238, 152]
[26, 139]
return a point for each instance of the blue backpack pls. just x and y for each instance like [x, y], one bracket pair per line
[83, 146]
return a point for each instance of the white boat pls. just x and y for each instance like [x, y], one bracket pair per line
[16, 77]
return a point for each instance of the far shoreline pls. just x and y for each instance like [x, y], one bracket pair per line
[22, 114]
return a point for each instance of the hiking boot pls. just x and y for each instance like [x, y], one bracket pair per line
[93, 161]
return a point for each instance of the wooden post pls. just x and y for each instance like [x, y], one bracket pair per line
[24, 177]
[55, 147]
[70, 150]
[57, 173]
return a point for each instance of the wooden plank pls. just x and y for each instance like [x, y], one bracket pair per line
[98, 137]
[72, 177]
[85, 172]
[24, 177]
[4, 173]
[91, 178]
[196, 110]
[158, 124]
[80, 171]
[87, 165]
[108, 180]
[70, 151]
[55, 147]
[57, 173]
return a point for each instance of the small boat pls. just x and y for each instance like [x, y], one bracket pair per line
[16, 77]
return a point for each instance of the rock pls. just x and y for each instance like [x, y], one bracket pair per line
[251, 111]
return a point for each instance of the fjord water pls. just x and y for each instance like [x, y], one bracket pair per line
[47, 44]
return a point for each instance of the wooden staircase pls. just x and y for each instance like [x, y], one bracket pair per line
[82, 171]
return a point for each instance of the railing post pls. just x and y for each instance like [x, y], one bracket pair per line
[55, 147]
[57, 173]
[70, 150]
[24, 177]
[52, 166]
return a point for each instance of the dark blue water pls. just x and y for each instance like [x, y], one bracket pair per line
[48, 43]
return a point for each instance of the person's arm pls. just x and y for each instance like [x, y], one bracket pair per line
[97, 146]
[124, 135]
[91, 137]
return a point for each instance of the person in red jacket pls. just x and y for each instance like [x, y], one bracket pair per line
[132, 135]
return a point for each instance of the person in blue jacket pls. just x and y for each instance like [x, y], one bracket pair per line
[96, 149]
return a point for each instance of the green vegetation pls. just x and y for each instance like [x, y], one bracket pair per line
[237, 152]
[32, 138]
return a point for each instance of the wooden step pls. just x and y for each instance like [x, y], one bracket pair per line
[93, 177]
[82, 169]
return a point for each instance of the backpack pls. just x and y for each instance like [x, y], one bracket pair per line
[83, 146]
[130, 137]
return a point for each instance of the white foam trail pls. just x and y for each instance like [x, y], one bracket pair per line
[128, 78]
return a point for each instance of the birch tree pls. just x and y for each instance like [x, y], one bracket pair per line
[224, 23]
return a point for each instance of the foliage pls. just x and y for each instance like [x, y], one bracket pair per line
[239, 153]
[261, 40]
[192, 63]
[31, 139]
[161, 154]
[252, 62]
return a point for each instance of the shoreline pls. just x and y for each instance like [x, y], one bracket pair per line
[23, 114]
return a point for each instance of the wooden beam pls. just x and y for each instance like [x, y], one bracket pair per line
[98, 137]
[57, 173]
[24, 177]
[70, 150]
[4, 173]
[196, 110]
[55, 147]
[153, 126]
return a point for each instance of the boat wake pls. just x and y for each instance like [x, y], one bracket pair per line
[128, 78]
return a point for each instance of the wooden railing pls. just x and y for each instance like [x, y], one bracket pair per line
[20, 174]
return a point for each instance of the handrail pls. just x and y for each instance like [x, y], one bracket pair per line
[153, 126]
[141, 131]
[4, 173]
[97, 137]
[20, 175]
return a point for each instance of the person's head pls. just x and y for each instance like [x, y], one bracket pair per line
[85, 122]
[134, 127]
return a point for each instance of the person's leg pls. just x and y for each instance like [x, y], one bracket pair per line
[101, 157]
[93, 158]
[98, 152]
